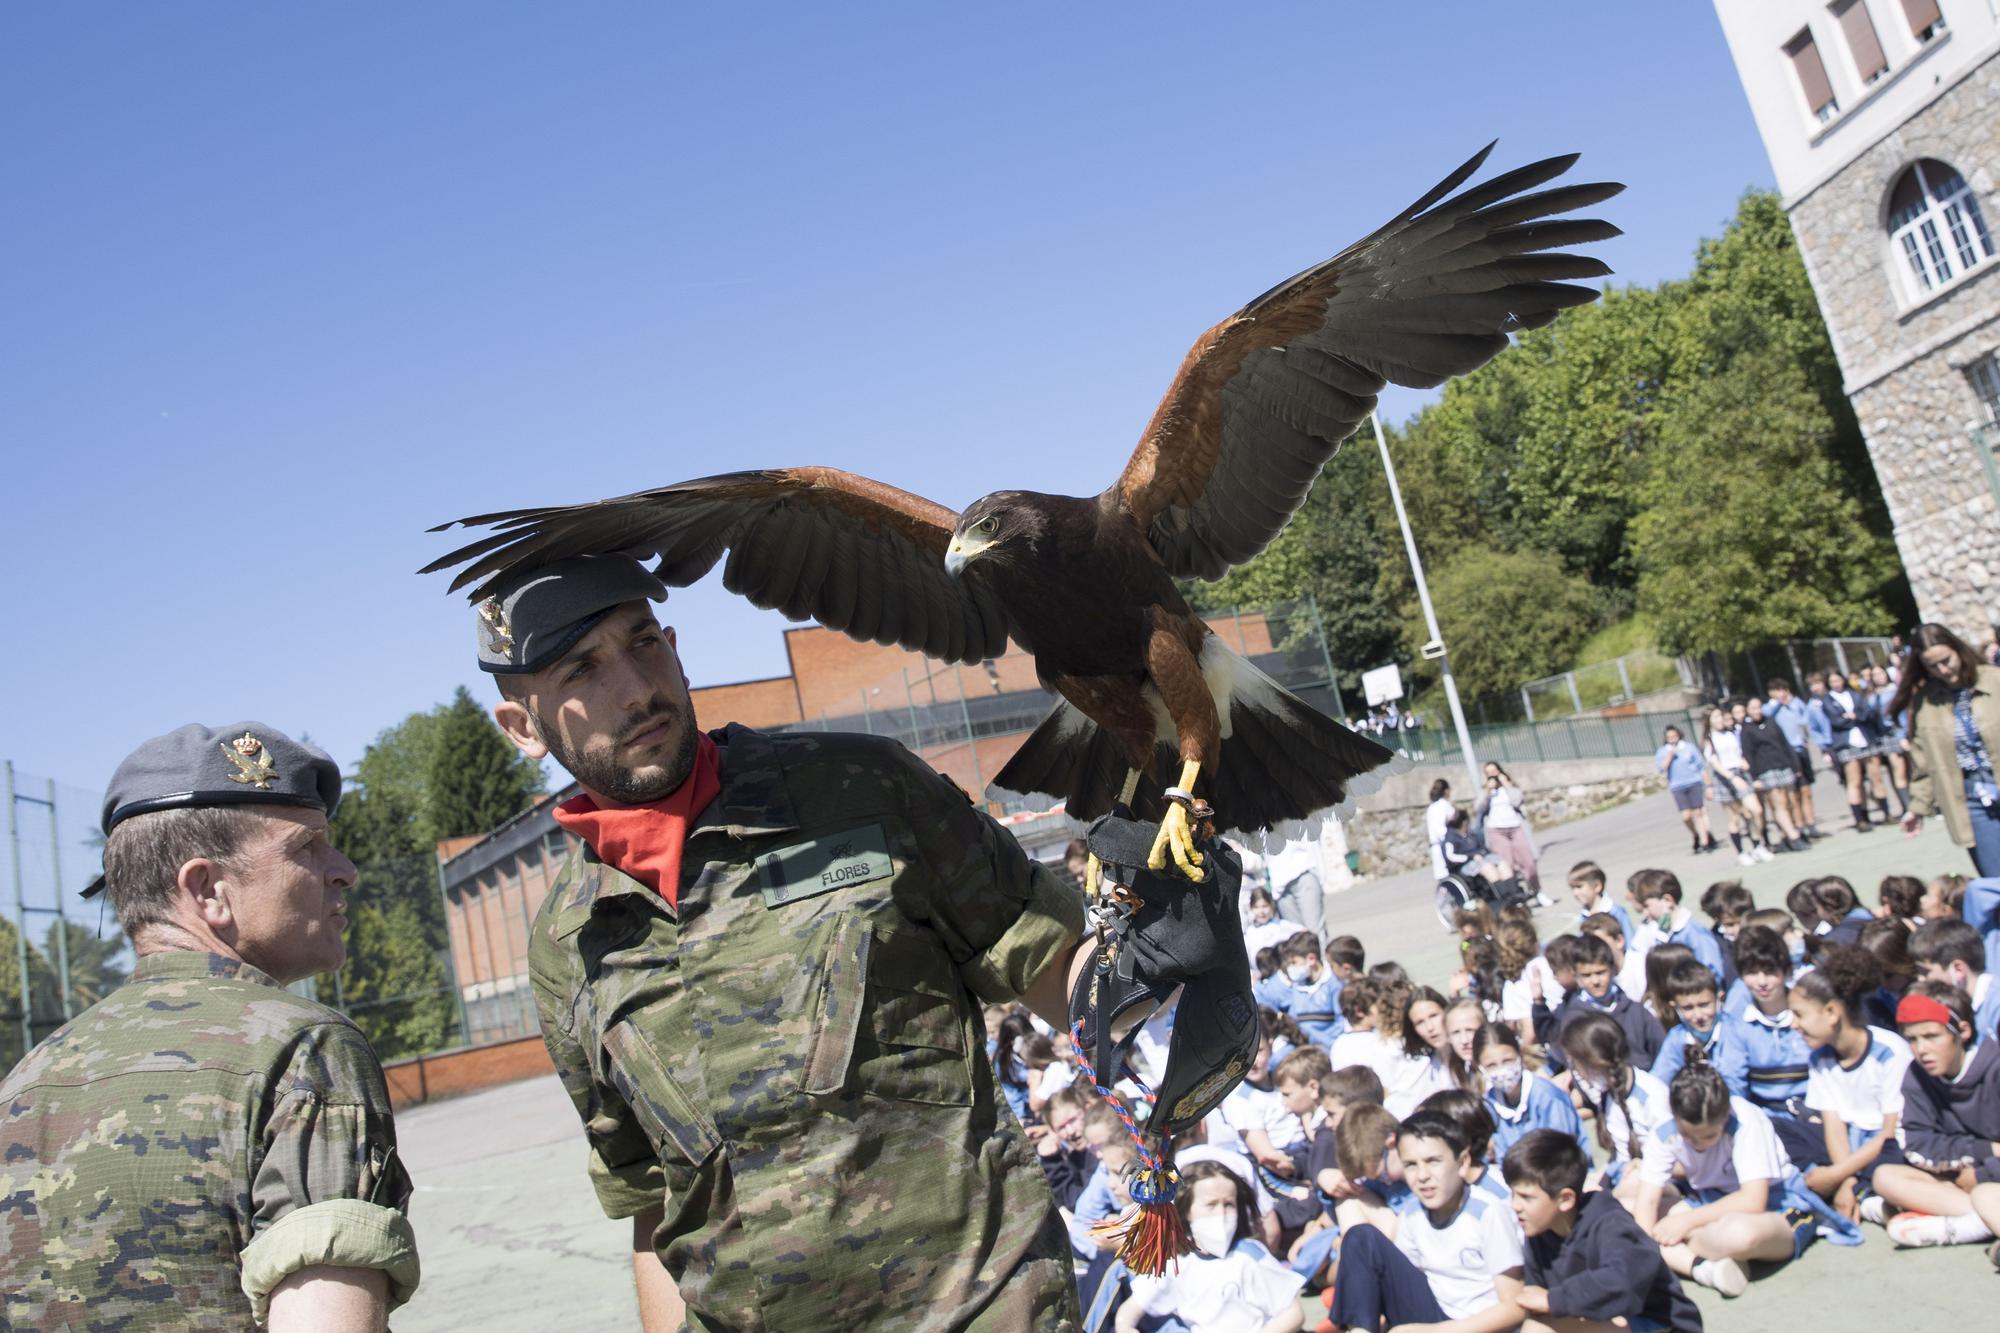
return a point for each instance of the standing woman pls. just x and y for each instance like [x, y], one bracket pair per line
[1436, 816]
[1952, 701]
[1857, 736]
[1507, 828]
[1895, 731]
[1722, 748]
[1687, 779]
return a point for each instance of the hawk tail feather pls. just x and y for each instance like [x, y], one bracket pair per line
[1284, 765]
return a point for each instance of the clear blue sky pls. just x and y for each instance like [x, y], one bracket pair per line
[284, 285]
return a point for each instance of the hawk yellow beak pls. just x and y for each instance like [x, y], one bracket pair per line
[961, 552]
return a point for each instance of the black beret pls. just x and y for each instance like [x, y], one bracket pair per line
[540, 614]
[243, 763]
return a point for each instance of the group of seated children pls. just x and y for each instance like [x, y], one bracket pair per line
[1747, 1086]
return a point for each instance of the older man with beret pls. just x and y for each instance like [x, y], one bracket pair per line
[760, 981]
[202, 1148]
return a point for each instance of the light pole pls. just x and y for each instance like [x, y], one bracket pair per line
[1435, 648]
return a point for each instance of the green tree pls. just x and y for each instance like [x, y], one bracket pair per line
[1332, 550]
[1509, 617]
[434, 775]
[1730, 556]
[477, 780]
[44, 995]
[96, 966]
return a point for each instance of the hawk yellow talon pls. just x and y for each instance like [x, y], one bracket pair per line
[1093, 875]
[1176, 837]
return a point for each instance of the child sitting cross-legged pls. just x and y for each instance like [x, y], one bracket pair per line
[1587, 1266]
[1948, 1161]
[1854, 1077]
[1453, 1266]
[1231, 1283]
[1743, 1200]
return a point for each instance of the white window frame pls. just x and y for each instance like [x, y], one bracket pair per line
[1944, 239]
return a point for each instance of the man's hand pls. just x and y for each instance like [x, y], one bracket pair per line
[1535, 1300]
[1913, 823]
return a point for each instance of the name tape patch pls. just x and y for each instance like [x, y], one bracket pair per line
[836, 861]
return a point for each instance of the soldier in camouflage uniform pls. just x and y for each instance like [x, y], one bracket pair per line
[202, 1148]
[768, 1018]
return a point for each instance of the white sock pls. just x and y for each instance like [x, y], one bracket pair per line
[1966, 1228]
[1704, 1272]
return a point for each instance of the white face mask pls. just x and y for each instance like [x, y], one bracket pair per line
[1590, 1087]
[1300, 973]
[1506, 1078]
[1214, 1234]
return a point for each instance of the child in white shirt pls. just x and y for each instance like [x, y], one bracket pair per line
[1457, 1257]
[1854, 1076]
[1231, 1283]
[1744, 1201]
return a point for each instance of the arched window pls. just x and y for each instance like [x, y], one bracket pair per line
[1935, 223]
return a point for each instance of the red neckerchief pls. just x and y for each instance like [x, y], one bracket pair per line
[644, 841]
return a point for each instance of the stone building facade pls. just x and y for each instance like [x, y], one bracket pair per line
[1882, 119]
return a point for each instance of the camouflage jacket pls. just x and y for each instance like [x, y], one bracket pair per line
[179, 1148]
[792, 1063]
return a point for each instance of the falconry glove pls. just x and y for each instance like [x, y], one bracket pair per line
[1160, 932]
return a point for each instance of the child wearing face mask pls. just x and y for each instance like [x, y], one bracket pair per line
[1519, 1099]
[1231, 1283]
[1630, 1104]
[1311, 995]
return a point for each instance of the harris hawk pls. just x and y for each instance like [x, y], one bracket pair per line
[1086, 584]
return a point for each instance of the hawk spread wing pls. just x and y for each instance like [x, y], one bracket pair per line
[1265, 397]
[856, 555]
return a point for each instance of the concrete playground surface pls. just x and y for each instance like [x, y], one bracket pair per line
[512, 1238]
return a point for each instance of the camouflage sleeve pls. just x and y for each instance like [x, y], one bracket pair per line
[327, 1187]
[1004, 917]
[623, 1168]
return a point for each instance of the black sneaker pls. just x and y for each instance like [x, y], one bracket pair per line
[1864, 826]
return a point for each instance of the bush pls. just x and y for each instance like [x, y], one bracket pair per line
[1507, 617]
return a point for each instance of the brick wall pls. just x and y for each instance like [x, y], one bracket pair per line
[454, 1073]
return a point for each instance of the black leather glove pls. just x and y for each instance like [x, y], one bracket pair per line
[1184, 935]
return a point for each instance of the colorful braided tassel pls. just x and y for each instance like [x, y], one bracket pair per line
[1149, 1233]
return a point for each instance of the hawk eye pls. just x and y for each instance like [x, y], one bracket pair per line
[989, 524]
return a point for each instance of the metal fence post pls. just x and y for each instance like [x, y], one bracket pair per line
[1625, 680]
[1326, 654]
[62, 922]
[1840, 655]
[20, 915]
[1575, 699]
[1527, 704]
[1798, 676]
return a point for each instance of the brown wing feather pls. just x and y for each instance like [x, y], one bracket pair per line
[1263, 399]
[856, 554]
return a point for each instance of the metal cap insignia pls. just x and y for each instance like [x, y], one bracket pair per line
[253, 762]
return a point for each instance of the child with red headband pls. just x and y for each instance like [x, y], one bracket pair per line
[1949, 1160]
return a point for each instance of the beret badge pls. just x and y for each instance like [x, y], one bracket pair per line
[252, 761]
[493, 619]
